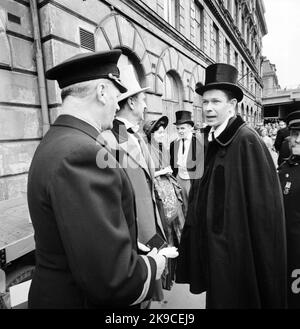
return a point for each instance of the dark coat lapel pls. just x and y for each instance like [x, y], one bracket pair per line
[230, 131]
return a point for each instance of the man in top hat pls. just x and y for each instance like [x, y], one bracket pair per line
[186, 154]
[135, 158]
[289, 174]
[81, 202]
[233, 242]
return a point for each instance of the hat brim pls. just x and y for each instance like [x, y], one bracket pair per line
[131, 93]
[180, 122]
[163, 120]
[237, 91]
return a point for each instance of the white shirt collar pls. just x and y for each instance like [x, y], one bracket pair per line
[218, 131]
[188, 137]
[128, 124]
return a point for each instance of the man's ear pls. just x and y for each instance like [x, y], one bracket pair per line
[233, 101]
[130, 103]
[101, 92]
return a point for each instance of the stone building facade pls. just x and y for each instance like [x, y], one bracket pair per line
[169, 42]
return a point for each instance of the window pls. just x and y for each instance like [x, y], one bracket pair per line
[199, 25]
[247, 78]
[243, 73]
[243, 26]
[227, 52]
[215, 50]
[172, 101]
[171, 89]
[229, 5]
[247, 35]
[236, 60]
[171, 12]
[236, 12]
[13, 18]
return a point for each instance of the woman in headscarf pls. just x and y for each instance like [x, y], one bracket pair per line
[167, 190]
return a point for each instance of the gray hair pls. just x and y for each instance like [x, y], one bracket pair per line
[81, 89]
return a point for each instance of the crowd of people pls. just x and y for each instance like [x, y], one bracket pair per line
[119, 216]
[274, 135]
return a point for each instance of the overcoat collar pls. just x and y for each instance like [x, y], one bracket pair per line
[128, 145]
[233, 127]
[75, 123]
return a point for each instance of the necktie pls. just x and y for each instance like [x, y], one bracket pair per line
[183, 148]
[144, 149]
[212, 136]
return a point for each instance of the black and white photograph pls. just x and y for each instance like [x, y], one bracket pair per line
[149, 157]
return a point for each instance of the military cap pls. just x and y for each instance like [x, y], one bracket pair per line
[221, 76]
[88, 66]
[293, 120]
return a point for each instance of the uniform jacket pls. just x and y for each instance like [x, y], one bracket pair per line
[233, 242]
[289, 174]
[83, 214]
[194, 159]
[141, 175]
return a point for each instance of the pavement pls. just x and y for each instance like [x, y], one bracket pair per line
[179, 297]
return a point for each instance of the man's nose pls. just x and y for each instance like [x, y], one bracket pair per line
[208, 107]
[298, 139]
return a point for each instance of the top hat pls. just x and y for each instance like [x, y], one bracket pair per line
[88, 66]
[151, 125]
[183, 117]
[129, 79]
[293, 120]
[221, 76]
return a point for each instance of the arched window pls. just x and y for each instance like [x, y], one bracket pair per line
[172, 100]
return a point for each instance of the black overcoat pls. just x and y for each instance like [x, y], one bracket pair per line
[233, 242]
[82, 208]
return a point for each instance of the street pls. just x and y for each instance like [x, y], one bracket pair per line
[180, 298]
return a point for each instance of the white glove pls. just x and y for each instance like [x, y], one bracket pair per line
[142, 247]
[160, 261]
[169, 252]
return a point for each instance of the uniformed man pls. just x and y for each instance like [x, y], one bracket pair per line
[289, 173]
[82, 203]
